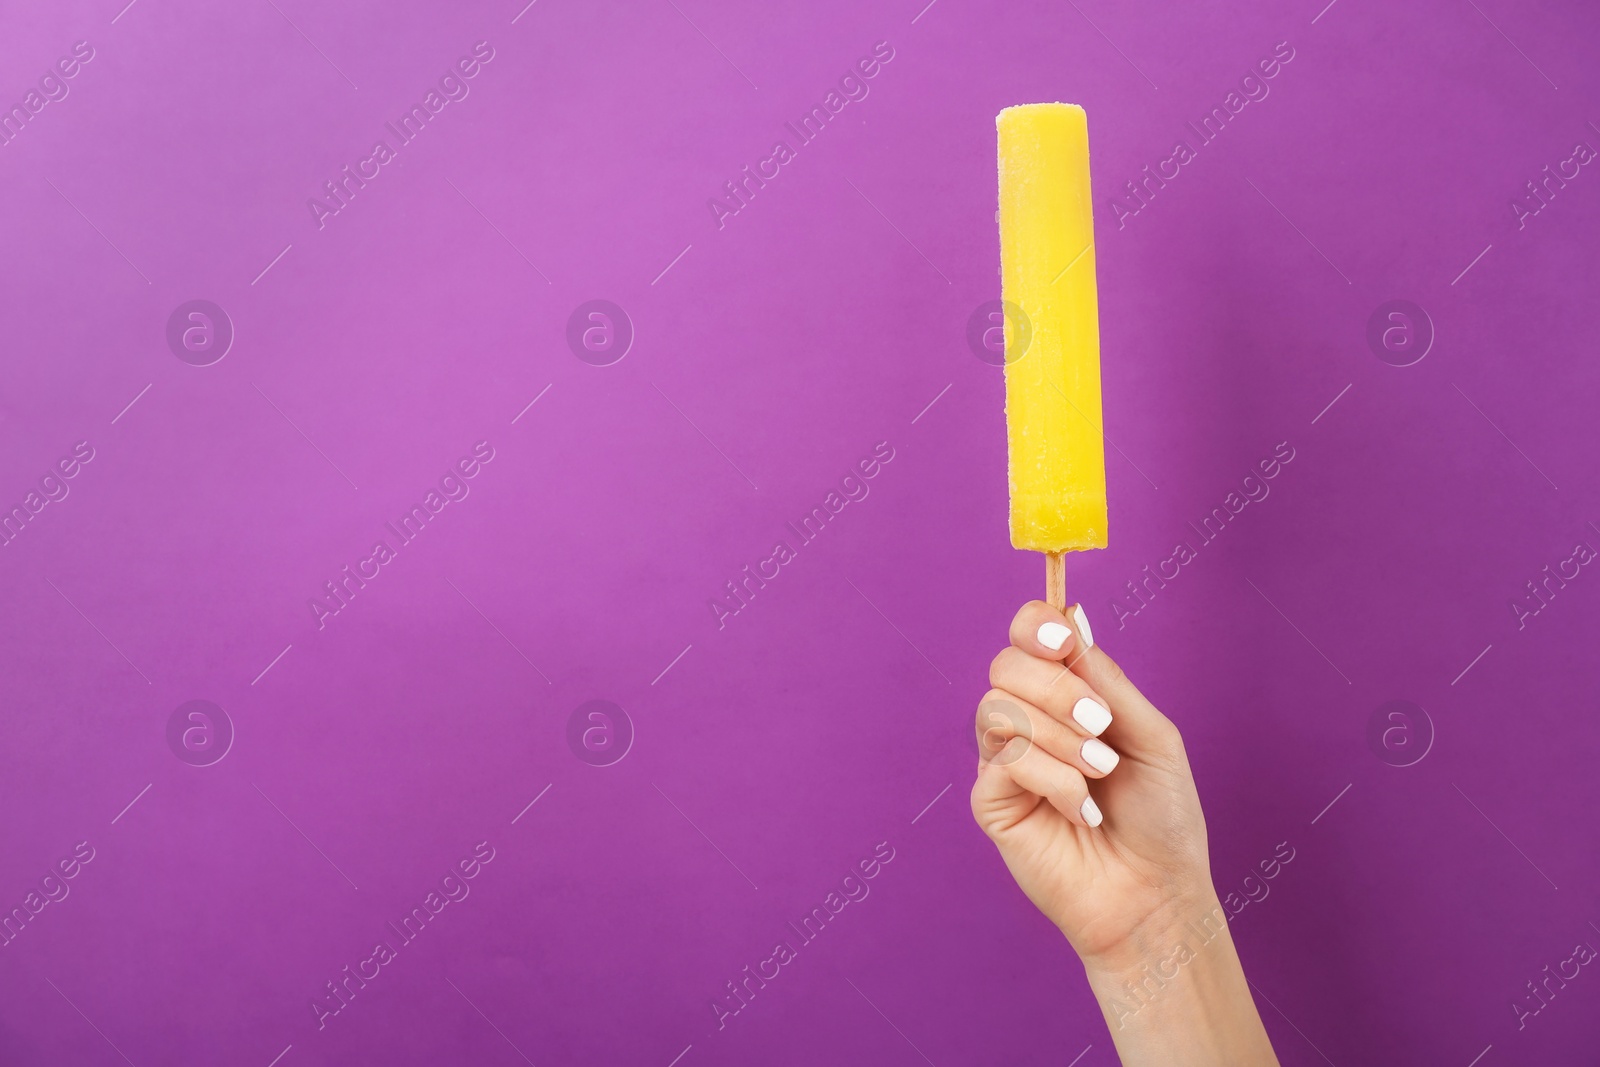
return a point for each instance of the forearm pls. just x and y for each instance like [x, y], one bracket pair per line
[1176, 995]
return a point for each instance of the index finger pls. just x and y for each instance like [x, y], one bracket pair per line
[1136, 724]
[1041, 630]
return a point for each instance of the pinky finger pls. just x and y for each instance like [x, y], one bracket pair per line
[998, 801]
[1040, 773]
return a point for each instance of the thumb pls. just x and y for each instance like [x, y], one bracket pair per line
[1136, 724]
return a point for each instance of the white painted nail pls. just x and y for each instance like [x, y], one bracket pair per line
[1099, 755]
[1053, 635]
[1081, 621]
[1091, 716]
[1091, 812]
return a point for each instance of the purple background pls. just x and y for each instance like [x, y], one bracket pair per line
[834, 711]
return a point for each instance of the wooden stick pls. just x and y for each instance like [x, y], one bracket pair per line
[1055, 580]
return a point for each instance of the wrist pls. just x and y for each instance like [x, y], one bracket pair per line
[1193, 918]
[1174, 992]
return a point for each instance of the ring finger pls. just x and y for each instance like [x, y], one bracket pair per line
[1003, 716]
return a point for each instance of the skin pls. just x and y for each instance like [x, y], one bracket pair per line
[1133, 895]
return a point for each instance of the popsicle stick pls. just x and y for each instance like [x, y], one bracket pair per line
[1055, 580]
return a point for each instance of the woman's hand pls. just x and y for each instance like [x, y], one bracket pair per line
[1085, 789]
[1107, 862]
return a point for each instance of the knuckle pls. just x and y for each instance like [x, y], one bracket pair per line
[1028, 612]
[1168, 746]
[1026, 622]
[1169, 737]
[1064, 690]
[980, 806]
[997, 666]
[986, 707]
[1010, 667]
[1072, 786]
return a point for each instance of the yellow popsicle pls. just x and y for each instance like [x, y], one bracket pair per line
[1053, 421]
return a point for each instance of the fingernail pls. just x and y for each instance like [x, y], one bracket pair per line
[1053, 635]
[1099, 755]
[1081, 621]
[1091, 812]
[1091, 716]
